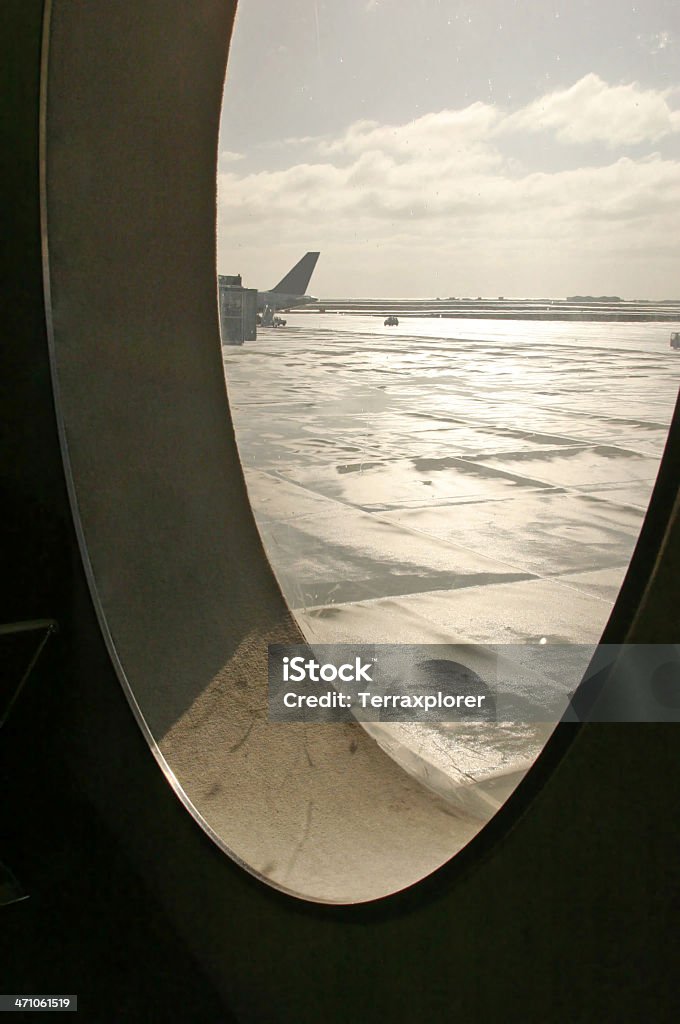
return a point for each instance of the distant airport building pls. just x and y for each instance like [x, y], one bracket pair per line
[238, 309]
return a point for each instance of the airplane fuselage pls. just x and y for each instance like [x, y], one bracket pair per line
[279, 300]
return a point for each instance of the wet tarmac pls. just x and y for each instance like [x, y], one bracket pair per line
[452, 482]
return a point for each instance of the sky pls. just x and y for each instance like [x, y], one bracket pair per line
[438, 148]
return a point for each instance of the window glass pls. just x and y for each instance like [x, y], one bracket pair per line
[452, 420]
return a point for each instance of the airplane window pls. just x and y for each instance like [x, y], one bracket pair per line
[448, 296]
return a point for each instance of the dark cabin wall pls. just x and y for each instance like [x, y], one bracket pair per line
[34, 503]
[564, 910]
[90, 925]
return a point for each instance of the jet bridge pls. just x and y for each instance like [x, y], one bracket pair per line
[238, 310]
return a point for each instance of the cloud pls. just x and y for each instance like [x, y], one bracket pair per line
[226, 157]
[375, 188]
[443, 133]
[440, 189]
[592, 111]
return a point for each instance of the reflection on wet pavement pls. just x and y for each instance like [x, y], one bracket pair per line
[478, 486]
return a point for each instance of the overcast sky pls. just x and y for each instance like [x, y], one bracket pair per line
[436, 147]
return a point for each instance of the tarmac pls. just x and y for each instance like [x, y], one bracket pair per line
[452, 482]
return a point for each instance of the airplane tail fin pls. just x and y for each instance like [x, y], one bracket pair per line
[296, 280]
